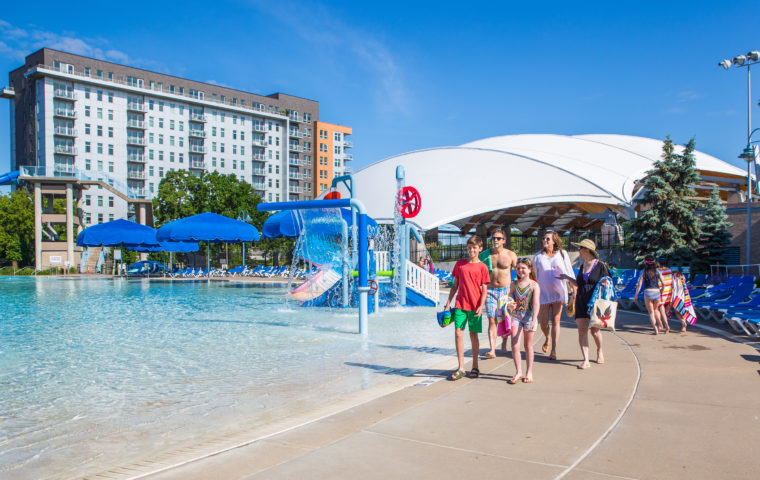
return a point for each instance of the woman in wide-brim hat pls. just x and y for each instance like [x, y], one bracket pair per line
[589, 275]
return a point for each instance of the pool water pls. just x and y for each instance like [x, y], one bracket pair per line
[97, 373]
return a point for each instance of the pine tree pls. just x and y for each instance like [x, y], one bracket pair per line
[715, 235]
[666, 225]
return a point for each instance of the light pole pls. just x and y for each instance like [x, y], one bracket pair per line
[745, 61]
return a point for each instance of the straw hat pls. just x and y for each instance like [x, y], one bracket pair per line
[588, 244]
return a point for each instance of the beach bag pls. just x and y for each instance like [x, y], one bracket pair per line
[504, 328]
[603, 307]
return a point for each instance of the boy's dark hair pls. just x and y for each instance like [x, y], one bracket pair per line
[475, 240]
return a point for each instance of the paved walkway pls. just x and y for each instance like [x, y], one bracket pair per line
[668, 406]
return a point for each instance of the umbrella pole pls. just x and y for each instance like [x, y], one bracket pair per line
[208, 260]
[242, 244]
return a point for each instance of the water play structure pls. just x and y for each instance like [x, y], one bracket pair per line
[352, 257]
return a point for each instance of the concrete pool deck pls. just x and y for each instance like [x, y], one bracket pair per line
[667, 406]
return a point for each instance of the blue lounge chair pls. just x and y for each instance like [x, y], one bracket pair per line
[739, 294]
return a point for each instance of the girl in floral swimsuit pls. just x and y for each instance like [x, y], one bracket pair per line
[524, 309]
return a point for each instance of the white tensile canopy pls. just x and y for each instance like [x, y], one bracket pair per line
[529, 181]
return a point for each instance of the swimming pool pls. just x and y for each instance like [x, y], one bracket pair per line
[97, 373]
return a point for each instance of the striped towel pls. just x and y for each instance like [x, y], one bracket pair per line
[667, 285]
[682, 300]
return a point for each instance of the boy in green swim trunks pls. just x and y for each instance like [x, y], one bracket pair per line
[470, 280]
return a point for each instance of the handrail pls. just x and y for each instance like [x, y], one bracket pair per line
[422, 281]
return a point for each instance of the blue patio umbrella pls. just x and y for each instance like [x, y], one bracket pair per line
[118, 233]
[209, 228]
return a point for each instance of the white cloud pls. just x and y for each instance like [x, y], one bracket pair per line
[334, 39]
[688, 96]
[19, 42]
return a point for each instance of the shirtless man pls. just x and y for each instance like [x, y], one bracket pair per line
[500, 262]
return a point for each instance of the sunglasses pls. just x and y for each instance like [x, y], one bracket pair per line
[497, 238]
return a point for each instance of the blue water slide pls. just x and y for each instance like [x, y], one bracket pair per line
[9, 177]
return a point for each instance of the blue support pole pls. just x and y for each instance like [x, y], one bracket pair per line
[346, 265]
[362, 217]
[402, 245]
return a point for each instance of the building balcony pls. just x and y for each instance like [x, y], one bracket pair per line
[63, 169]
[136, 174]
[294, 189]
[194, 132]
[136, 107]
[348, 144]
[136, 157]
[133, 192]
[295, 148]
[260, 191]
[258, 185]
[198, 149]
[348, 157]
[259, 157]
[64, 112]
[136, 124]
[196, 165]
[259, 127]
[297, 134]
[65, 94]
[65, 132]
[260, 171]
[293, 118]
[65, 149]
[259, 143]
[197, 117]
[136, 141]
[296, 176]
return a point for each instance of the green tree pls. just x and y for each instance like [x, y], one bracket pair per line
[667, 225]
[715, 235]
[17, 227]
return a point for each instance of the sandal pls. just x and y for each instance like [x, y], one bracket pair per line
[545, 346]
[553, 356]
[527, 380]
[489, 355]
[474, 373]
[514, 380]
[456, 375]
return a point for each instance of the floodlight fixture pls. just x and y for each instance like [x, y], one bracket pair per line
[754, 55]
[739, 60]
[726, 64]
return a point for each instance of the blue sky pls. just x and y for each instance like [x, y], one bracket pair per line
[413, 75]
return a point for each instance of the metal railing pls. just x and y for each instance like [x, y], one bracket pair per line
[259, 127]
[348, 144]
[61, 168]
[136, 174]
[294, 189]
[259, 143]
[198, 149]
[65, 149]
[136, 157]
[348, 157]
[65, 112]
[194, 132]
[259, 157]
[135, 124]
[197, 117]
[136, 141]
[136, 107]
[67, 94]
[198, 165]
[66, 132]
[259, 171]
[382, 261]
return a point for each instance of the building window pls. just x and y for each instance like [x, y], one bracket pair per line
[87, 164]
[110, 132]
[110, 201]
[88, 200]
[110, 149]
[110, 167]
[86, 110]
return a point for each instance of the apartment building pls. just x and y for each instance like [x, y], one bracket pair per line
[331, 155]
[128, 127]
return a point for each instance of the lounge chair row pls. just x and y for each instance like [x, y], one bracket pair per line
[258, 271]
[731, 300]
